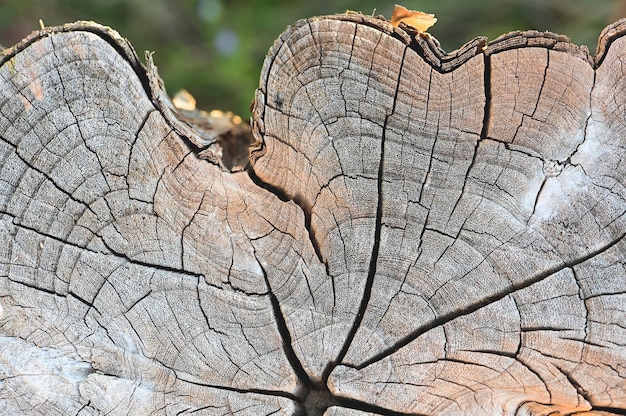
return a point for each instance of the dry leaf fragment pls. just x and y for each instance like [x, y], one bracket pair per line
[418, 20]
[183, 100]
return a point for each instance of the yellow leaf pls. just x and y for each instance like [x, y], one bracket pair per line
[417, 20]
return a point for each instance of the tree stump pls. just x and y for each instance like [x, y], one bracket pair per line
[415, 233]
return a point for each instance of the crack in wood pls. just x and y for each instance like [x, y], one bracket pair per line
[474, 306]
[306, 210]
[286, 335]
[306, 299]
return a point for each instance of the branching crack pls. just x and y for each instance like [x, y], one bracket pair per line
[485, 301]
[45, 175]
[543, 184]
[377, 233]
[283, 329]
[146, 264]
[273, 393]
[306, 210]
[52, 292]
[371, 408]
[373, 263]
[579, 388]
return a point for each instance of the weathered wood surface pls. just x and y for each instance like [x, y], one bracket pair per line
[418, 232]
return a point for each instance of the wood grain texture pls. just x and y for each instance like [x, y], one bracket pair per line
[417, 232]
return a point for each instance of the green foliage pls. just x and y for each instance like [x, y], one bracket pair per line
[215, 48]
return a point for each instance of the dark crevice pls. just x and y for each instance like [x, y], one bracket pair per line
[579, 389]
[135, 303]
[374, 257]
[371, 408]
[136, 262]
[306, 210]
[84, 301]
[467, 173]
[568, 161]
[481, 303]
[367, 291]
[545, 328]
[610, 410]
[281, 324]
[46, 176]
[84, 407]
[517, 149]
[318, 401]
[184, 230]
[60, 240]
[53, 293]
[484, 133]
[38, 288]
[543, 184]
[140, 128]
[432, 148]
[584, 341]
[540, 94]
[487, 85]
[372, 266]
[273, 393]
[587, 396]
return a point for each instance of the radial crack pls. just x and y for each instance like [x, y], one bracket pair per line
[283, 329]
[306, 210]
[487, 300]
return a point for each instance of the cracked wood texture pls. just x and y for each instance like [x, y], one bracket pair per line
[417, 232]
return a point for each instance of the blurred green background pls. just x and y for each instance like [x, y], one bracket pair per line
[215, 48]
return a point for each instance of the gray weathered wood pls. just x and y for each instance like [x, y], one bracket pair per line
[417, 232]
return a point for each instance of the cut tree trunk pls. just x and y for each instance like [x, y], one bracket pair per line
[415, 232]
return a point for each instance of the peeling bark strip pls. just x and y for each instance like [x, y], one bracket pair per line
[417, 232]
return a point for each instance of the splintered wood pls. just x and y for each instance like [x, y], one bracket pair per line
[415, 233]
